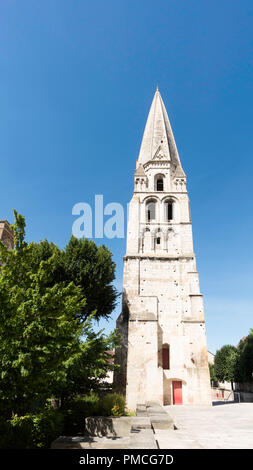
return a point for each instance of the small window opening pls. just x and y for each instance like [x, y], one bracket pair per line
[166, 357]
[159, 185]
[158, 241]
[151, 211]
[169, 210]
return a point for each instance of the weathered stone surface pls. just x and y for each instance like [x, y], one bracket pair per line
[141, 423]
[141, 409]
[152, 403]
[108, 426]
[72, 442]
[161, 422]
[6, 234]
[153, 411]
[141, 439]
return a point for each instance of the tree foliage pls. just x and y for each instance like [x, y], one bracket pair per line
[87, 370]
[245, 359]
[235, 364]
[225, 363]
[44, 348]
[213, 378]
[86, 265]
[39, 330]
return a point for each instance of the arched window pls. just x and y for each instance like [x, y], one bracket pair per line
[150, 210]
[168, 210]
[166, 356]
[159, 182]
[159, 185]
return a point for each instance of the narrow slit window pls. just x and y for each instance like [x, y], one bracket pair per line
[158, 241]
[169, 210]
[166, 357]
[159, 184]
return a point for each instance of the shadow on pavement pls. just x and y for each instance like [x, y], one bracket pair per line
[217, 403]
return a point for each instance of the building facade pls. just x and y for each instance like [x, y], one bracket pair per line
[163, 356]
[6, 234]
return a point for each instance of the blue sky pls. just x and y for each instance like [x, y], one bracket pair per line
[76, 82]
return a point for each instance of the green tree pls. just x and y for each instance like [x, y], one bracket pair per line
[225, 363]
[44, 349]
[213, 378]
[245, 359]
[86, 265]
[39, 331]
[91, 366]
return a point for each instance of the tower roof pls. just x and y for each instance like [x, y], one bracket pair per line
[139, 171]
[158, 140]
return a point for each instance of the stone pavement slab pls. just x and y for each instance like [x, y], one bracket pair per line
[226, 426]
[161, 422]
[171, 439]
[143, 439]
[140, 439]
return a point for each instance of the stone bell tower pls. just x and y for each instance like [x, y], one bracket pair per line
[163, 357]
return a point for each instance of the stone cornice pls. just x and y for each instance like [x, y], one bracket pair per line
[159, 257]
[167, 224]
[171, 193]
[192, 321]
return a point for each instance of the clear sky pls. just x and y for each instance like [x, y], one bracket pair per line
[76, 82]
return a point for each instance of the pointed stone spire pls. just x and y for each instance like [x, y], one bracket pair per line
[158, 140]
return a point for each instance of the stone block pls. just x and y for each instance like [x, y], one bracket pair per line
[141, 422]
[110, 426]
[143, 439]
[155, 410]
[162, 422]
[141, 413]
[140, 407]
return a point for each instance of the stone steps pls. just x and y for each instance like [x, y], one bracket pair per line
[154, 414]
[138, 432]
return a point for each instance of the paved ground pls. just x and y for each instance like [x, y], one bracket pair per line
[222, 426]
[143, 440]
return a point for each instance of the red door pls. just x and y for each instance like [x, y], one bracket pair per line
[177, 392]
